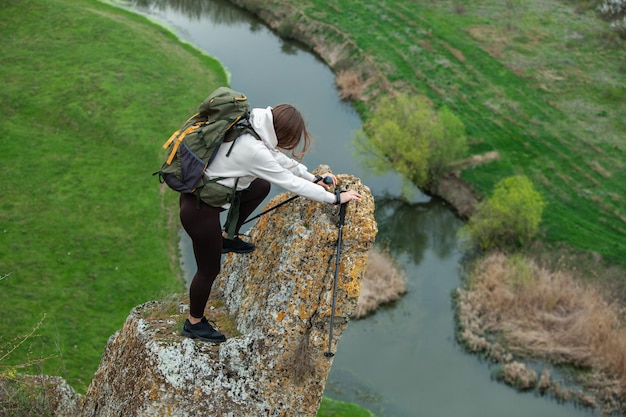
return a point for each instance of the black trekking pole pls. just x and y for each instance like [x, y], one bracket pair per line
[271, 208]
[342, 217]
[327, 180]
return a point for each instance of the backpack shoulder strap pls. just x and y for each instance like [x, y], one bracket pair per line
[242, 127]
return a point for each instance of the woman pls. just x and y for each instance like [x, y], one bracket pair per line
[252, 165]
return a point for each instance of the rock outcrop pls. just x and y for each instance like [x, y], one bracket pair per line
[275, 306]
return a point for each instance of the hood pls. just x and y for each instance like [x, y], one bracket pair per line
[262, 121]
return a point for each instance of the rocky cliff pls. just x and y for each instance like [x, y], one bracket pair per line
[274, 305]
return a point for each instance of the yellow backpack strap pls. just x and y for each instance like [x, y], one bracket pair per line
[180, 138]
[238, 118]
[171, 139]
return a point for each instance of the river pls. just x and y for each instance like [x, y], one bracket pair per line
[404, 360]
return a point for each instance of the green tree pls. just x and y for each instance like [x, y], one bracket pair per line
[408, 134]
[511, 216]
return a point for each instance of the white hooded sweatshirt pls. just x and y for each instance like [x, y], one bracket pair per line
[251, 158]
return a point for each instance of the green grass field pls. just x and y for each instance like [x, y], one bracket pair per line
[89, 94]
[538, 82]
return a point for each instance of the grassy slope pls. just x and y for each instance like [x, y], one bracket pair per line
[535, 81]
[89, 94]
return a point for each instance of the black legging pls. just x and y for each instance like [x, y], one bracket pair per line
[203, 225]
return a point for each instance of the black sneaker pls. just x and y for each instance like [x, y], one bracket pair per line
[237, 245]
[203, 331]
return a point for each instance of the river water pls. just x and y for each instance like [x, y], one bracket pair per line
[403, 361]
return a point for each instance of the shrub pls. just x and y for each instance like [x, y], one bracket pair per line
[287, 27]
[613, 8]
[615, 12]
[409, 135]
[511, 216]
[18, 396]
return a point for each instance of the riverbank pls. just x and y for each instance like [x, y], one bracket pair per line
[360, 79]
[547, 331]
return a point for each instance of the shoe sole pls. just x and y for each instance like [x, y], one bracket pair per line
[206, 339]
[224, 251]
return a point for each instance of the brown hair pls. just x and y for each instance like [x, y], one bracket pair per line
[290, 129]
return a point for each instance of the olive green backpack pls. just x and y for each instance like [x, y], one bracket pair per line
[222, 117]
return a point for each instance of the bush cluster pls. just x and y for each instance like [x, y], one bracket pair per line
[407, 134]
[510, 217]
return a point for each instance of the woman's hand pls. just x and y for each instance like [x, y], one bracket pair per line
[327, 181]
[349, 196]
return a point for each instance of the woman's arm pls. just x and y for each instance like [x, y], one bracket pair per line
[292, 165]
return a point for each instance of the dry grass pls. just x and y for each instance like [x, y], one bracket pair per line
[350, 85]
[382, 283]
[518, 375]
[475, 160]
[19, 398]
[595, 165]
[37, 396]
[549, 314]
